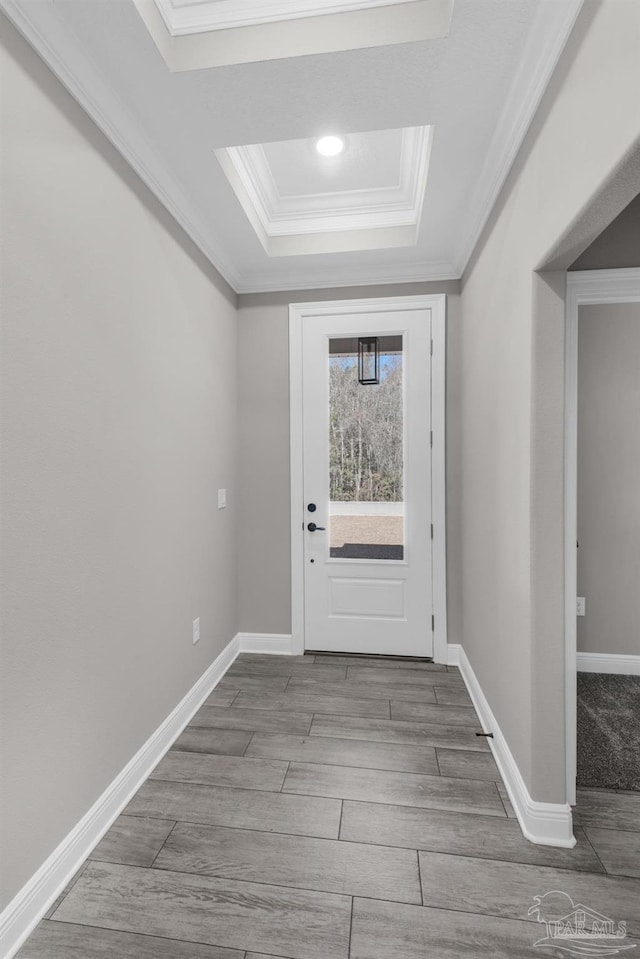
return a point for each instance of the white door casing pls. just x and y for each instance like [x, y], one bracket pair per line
[369, 606]
[583, 287]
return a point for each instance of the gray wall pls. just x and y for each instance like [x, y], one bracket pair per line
[118, 423]
[512, 391]
[617, 247]
[264, 560]
[609, 477]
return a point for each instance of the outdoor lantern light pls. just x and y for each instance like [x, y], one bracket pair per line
[368, 361]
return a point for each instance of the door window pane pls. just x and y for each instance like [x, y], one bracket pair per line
[366, 453]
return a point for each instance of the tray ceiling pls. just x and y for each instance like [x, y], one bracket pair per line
[198, 16]
[192, 34]
[474, 88]
[298, 202]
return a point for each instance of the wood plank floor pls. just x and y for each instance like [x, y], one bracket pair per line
[327, 807]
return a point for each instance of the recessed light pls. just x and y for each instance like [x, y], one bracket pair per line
[330, 146]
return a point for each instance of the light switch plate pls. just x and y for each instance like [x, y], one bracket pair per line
[580, 606]
[222, 498]
[196, 630]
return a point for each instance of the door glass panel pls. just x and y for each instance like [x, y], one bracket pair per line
[366, 452]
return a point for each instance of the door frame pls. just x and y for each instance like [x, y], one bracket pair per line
[583, 288]
[297, 313]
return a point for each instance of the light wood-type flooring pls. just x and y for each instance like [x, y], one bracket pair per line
[326, 807]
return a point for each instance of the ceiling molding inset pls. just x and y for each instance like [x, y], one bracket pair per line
[42, 25]
[364, 218]
[197, 34]
[201, 16]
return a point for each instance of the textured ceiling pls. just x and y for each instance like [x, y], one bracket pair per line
[476, 88]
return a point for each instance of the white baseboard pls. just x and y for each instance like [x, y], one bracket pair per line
[453, 654]
[548, 824]
[28, 907]
[545, 823]
[279, 644]
[609, 663]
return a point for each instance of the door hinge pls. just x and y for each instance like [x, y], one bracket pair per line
[432, 531]
[433, 624]
[431, 439]
[432, 347]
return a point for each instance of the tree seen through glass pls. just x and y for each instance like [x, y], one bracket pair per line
[365, 432]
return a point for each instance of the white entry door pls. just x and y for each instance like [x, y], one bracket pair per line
[366, 478]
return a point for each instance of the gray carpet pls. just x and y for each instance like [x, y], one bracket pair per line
[609, 731]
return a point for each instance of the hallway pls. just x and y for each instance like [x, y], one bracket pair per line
[325, 807]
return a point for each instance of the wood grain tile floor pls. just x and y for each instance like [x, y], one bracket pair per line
[327, 807]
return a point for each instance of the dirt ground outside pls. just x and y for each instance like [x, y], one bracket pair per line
[366, 530]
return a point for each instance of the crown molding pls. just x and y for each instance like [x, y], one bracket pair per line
[346, 211]
[417, 180]
[376, 24]
[331, 277]
[254, 170]
[326, 222]
[40, 26]
[553, 24]
[183, 17]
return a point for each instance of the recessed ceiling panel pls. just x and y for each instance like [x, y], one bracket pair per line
[200, 16]
[195, 34]
[299, 202]
[369, 160]
[477, 90]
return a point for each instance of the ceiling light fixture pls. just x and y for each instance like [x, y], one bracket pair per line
[330, 146]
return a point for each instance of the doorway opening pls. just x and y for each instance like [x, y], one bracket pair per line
[368, 537]
[584, 290]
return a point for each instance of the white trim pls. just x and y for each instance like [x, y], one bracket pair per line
[330, 222]
[404, 21]
[453, 654]
[603, 286]
[570, 537]
[549, 33]
[297, 311]
[26, 909]
[296, 478]
[589, 286]
[616, 663]
[42, 28]
[438, 475]
[186, 18]
[248, 170]
[547, 824]
[278, 644]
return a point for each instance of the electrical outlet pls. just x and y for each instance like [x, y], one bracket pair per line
[580, 606]
[196, 631]
[222, 498]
